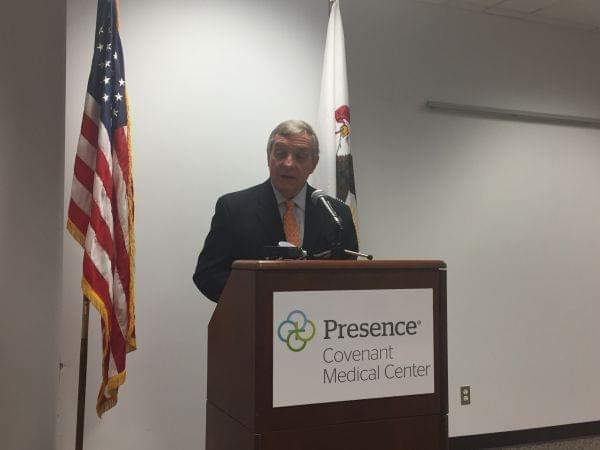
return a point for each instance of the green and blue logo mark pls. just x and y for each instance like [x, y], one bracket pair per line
[296, 331]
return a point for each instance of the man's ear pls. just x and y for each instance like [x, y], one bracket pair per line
[316, 160]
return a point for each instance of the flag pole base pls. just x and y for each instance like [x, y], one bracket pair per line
[85, 315]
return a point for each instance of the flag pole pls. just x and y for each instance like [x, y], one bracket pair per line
[85, 315]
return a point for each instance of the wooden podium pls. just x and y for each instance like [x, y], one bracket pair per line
[239, 407]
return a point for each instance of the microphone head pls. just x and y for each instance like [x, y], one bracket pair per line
[316, 195]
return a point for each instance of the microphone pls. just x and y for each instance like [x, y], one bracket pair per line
[319, 197]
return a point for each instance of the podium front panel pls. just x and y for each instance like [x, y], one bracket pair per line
[270, 418]
[240, 363]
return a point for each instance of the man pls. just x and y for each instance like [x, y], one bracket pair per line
[277, 210]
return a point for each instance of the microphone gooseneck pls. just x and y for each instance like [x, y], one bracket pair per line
[318, 197]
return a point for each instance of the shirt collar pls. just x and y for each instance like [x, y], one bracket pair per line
[299, 199]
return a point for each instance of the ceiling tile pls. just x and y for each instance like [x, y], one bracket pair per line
[562, 23]
[437, 2]
[526, 6]
[579, 11]
[475, 5]
[576, 14]
[497, 11]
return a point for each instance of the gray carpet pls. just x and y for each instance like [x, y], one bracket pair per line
[570, 444]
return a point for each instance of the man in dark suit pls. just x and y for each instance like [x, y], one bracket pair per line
[277, 210]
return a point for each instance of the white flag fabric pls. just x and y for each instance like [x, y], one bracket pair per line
[335, 171]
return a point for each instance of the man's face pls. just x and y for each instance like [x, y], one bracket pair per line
[291, 160]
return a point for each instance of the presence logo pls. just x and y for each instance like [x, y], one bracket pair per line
[296, 331]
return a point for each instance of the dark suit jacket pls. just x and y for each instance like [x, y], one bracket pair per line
[246, 221]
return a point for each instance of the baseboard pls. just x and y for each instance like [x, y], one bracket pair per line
[519, 437]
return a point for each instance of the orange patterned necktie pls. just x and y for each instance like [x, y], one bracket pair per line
[290, 224]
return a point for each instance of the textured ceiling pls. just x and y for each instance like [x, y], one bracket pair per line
[580, 14]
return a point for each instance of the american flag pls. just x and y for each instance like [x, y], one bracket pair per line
[100, 214]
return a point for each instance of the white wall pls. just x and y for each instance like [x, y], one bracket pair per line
[207, 80]
[512, 207]
[32, 92]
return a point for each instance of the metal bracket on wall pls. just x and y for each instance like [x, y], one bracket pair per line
[514, 114]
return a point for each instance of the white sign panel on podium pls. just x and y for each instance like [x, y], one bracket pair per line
[331, 346]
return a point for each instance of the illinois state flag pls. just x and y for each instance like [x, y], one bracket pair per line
[100, 214]
[335, 172]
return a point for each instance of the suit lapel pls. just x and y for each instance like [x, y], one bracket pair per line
[268, 213]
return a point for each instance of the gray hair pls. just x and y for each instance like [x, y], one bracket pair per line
[291, 128]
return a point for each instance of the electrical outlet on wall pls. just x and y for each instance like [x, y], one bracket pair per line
[465, 395]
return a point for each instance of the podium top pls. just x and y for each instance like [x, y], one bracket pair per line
[337, 265]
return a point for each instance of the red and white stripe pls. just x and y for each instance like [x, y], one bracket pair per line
[101, 218]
